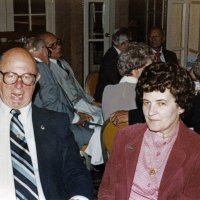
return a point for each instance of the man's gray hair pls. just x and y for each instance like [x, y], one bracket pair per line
[121, 35]
[34, 44]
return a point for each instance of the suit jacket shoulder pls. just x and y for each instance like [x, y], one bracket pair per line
[61, 168]
[170, 56]
[108, 73]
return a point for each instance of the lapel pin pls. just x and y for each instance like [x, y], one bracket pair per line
[131, 148]
[42, 127]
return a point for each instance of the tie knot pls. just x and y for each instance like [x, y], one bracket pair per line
[15, 112]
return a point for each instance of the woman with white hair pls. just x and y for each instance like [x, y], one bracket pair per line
[130, 65]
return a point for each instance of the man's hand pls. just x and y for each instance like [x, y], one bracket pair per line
[119, 117]
[84, 118]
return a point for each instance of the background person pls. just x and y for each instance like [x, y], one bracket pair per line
[130, 65]
[159, 159]
[51, 95]
[108, 72]
[65, 77]
[48, 165]
[48, 93]
[157, 39]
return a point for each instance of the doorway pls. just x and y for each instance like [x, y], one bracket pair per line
[96, 33]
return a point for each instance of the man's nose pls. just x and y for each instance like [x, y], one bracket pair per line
[19, 83]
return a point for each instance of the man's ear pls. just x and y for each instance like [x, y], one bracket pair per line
[38, 77]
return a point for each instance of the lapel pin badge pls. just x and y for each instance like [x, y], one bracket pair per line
[42, 127]
[131, 148]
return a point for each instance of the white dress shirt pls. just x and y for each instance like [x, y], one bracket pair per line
[162, 58]
[7, 188]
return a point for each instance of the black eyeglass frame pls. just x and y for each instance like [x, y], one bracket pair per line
[55, 44]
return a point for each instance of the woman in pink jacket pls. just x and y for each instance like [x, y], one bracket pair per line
[161, 158]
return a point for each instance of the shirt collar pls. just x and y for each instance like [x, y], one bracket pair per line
[118, 51]
[53, 60]
[160, 138]
[154, 51]
[25, 111]
[129, 79]
[37, 59]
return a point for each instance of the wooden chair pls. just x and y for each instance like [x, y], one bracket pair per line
[91, 82]
[108, 134]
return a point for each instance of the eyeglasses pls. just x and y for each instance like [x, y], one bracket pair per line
[10, 78]
[55, 44]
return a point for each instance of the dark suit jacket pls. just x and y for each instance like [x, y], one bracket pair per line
[193, 119]
[181, 177]
[61, 169]
[108, 73]
[170, 56]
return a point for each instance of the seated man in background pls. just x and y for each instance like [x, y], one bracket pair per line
[108, 73]
[156, 41]
[65, 77]
[50, 95]
[39, 157]
[158, 159]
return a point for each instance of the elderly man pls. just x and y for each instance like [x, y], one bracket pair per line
[50, 95]
[39, 157]
[65, 77]
[108, 73]
[156, 41]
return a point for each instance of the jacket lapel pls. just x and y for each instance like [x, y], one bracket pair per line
[132, 150]
[175, 160]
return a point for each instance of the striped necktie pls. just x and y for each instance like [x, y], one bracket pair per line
[24, 177]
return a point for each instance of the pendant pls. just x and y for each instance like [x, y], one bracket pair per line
[152, 172]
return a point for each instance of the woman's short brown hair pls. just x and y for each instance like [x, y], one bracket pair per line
[161, 76]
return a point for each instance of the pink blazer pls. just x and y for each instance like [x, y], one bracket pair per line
[181, 177]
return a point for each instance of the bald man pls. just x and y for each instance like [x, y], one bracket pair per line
[55, 168]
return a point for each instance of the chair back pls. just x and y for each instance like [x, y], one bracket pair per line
[91, 82]
[108, 134]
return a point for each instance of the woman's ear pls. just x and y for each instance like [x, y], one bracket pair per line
[181, 110]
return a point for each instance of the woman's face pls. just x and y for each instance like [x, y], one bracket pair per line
[161, 112]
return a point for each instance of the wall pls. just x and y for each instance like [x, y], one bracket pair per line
[69, 27]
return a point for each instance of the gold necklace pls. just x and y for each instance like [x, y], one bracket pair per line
[153, 170]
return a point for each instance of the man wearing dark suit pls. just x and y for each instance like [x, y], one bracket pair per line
[57, 169]
[108, 73]
[156, 41]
